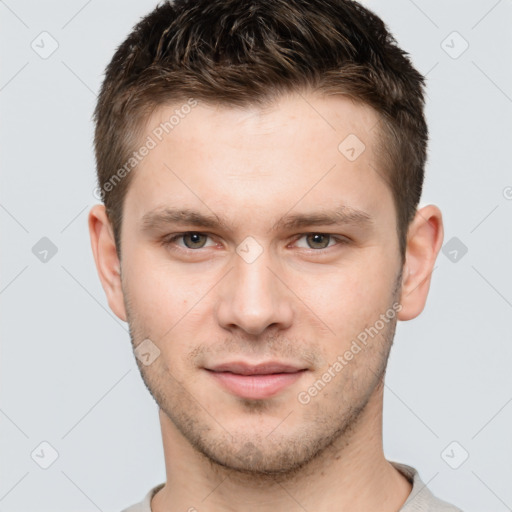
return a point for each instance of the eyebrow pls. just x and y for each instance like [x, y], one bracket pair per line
[184, 216]
[180, 216]
[338, 216]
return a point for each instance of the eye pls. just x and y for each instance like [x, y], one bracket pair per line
[318, 241]
[191, 240]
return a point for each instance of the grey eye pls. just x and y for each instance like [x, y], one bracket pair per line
[318, 240]
[194, 240]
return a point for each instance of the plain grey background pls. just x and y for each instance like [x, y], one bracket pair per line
[68, 377]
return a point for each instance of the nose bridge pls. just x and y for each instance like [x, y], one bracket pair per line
[252, 298]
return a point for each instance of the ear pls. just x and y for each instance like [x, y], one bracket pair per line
[424, 241]
[107, 262]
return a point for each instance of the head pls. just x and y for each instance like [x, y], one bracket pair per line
[249, 54]
[261, 165]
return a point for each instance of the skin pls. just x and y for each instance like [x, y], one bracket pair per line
[303, 300]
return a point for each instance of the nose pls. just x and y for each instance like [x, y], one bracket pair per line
[253, 298]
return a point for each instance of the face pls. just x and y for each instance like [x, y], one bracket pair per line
[257, 254]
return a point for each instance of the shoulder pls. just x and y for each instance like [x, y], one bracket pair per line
[145, 504]
[421, 498]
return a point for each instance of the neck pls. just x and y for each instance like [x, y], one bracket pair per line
[350, 474]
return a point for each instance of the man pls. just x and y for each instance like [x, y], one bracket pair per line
[261, 164]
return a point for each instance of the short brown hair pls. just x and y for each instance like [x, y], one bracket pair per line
[248, 52]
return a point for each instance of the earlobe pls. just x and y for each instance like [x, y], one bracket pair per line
[106, 258]
[424, 241]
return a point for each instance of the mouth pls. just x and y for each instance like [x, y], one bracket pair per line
[258, 381]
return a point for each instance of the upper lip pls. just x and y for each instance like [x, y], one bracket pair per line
[266, 368]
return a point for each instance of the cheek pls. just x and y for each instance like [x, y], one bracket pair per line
[166, 304]
[350, 298]
[156, 299]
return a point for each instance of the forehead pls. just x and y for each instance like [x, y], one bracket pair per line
[291, 117]
[299, 151]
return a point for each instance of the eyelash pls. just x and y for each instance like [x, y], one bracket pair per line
[341, 240]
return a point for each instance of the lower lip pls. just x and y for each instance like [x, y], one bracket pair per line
[256, 386]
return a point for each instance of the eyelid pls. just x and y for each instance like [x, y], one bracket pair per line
[340, 239]
[171, 239]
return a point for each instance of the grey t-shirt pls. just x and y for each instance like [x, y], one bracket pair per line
[420, 499]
